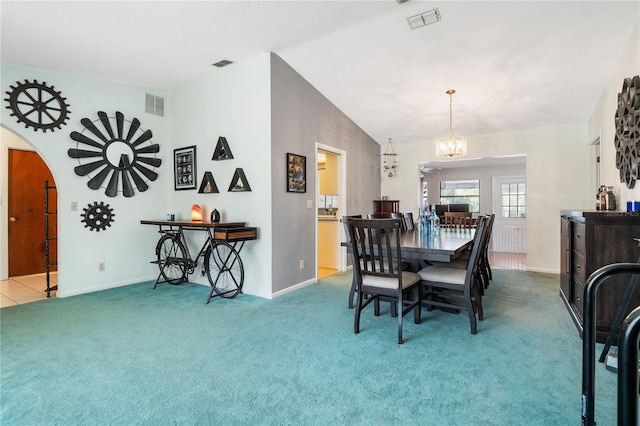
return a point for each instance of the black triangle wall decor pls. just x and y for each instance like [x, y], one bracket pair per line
[208, 184]
[222, 151]
[239, 182]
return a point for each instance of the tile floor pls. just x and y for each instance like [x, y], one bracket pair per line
[25, 289]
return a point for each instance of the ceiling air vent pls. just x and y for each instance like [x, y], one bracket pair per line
[426, 18]
[222, 63]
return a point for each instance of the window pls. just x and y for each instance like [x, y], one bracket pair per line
[513, 202]
[461, 192]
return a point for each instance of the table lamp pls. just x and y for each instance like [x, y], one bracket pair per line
[196, 212]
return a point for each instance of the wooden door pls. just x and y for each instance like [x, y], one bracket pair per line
[27, 173]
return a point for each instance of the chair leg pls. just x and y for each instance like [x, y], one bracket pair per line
[472, 313]
[478, 298]
[400, 309]
[417, 310]
[356, 320]
[352, 291]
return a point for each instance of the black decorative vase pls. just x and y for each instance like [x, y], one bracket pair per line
[215, 216]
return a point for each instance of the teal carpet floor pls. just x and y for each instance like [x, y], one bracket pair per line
[137, 356]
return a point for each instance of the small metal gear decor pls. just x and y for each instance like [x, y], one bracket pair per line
[627, 139]
[97, 216]
[122, 154]
[37, 105]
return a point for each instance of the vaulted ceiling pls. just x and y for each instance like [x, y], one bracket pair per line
[513, 64]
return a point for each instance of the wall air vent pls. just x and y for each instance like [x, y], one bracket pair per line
[426, 18]
[154, 105]
[222, 63]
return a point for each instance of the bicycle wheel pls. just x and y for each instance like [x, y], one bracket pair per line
[224, 269]
[170, 246]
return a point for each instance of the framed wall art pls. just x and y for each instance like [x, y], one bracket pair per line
[184, 168]
[296, 173]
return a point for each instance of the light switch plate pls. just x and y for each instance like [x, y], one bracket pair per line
[309, 204]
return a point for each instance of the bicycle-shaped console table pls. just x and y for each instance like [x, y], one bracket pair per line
[220, 251]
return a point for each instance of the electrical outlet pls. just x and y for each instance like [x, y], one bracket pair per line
[100, 266]
[74, 206]
[302, 264]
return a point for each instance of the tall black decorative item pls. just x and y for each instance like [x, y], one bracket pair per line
[37, 105]
[627, 139]
[215, 216]
[125, 153]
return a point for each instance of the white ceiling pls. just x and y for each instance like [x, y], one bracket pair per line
[513, 64]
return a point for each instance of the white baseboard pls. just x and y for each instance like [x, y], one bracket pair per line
[543, 270]
[294, 288]
[61, 293]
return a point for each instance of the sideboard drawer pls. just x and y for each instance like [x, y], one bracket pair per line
[579, 267]
[579, 237]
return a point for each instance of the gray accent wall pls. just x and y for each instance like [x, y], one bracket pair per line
[301, 117]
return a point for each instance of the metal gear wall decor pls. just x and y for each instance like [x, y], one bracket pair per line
[37, 105]
[122, 157]
[627, 139]
[97, 216]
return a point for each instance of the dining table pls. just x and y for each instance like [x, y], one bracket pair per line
[444, 246]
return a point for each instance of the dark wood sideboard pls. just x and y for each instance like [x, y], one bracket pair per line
[591, 239]
[386, 207]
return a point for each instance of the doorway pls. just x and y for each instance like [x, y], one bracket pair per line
[22, 250]
[330, 200]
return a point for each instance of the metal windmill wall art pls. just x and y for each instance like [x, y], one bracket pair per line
[116, 154]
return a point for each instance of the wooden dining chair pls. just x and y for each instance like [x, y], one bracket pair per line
[457, 289]
[458, 220]
[395, 215]
[484, 268]
[378, 274]
[378, 216]
[409, 224]
[354, 259]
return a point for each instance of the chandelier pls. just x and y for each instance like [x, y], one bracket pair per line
[390, 165]
[451, 146]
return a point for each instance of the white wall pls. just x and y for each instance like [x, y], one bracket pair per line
[233, 102]
[126, 247]
[601, 124]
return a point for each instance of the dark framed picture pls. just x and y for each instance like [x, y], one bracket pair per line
[184, 168]
[296, 173]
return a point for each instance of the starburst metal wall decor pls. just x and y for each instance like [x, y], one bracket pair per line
[125, 154]
[627, 138]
